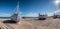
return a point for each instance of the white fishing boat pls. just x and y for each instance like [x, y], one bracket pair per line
[16, 15]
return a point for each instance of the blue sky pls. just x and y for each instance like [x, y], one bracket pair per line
[29, 8]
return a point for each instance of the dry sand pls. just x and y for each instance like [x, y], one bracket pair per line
[49, 23]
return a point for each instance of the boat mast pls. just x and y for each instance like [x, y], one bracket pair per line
[17, 8]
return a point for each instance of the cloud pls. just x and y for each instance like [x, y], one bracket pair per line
[57, 11]
[31, 14]
[5, 15]
[52, 13]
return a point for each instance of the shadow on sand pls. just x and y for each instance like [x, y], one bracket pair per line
[9, 21]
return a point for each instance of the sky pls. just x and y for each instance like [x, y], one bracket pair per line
[28, 8]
